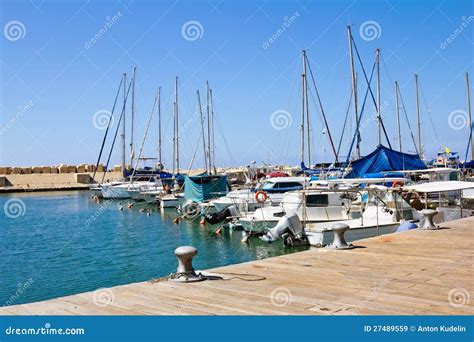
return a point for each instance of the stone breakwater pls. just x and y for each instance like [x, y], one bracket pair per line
[50, 178]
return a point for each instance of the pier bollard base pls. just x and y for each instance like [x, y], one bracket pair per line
[339, 242]
[428, 215]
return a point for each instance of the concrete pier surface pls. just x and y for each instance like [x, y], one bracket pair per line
[417, 272]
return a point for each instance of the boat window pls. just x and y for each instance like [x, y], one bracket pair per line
[286, 185]
[317, 200]
[267, 185]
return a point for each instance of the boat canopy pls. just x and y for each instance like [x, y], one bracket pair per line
[440, 186]
[204, 186]
[385, 159]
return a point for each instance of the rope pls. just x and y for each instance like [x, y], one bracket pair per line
[239, 276]
[144, 138]
[371, 94]
[356, 133]
[344, 126]
[322, 109]
[406, 117]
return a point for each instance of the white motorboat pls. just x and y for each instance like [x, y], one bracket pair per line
[326, 206]
[171, 200]
[245, 200]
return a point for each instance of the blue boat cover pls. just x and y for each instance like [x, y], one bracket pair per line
[468, 164]
[385, 159]
[204, 186]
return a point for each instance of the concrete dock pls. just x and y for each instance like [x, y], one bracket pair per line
[418, 272]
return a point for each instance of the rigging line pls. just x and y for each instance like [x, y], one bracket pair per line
[344, 126]
[108, 126]
[371, 93]
[356, 133]
[406, 117]
[322, 109]
[225, 140]
[144, 137]
[117, 129]
[428, 110]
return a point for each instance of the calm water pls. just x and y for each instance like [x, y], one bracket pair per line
[64, 243]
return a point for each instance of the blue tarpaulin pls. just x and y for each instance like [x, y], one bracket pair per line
[385, 159]
[204, 186]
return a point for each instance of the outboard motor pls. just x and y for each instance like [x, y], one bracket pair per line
[290, 229]
[223, 215]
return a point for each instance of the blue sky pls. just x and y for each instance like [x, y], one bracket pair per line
[53, 81]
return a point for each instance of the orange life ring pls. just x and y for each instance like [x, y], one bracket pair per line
[397, 184]
[261, 196]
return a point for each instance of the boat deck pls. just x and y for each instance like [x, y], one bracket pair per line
[411, 273]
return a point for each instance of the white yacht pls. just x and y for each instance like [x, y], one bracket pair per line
[275, 188]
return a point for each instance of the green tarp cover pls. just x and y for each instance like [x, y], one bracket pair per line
[204, 186]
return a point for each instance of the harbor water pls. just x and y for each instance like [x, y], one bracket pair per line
[62, 243]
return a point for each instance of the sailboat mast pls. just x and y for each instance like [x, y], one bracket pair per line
[305, 89]
[122, 136]
[379, 118]
[174, 138]
[470, 114]
[177, 124]
[208, 112]
[397, 108]
[132, 122]
[212, 129]
[203, 136]
[302, 118]
[354, 93]
[159, 129]
[418, 117]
